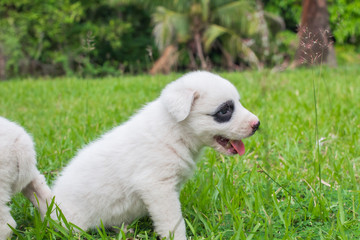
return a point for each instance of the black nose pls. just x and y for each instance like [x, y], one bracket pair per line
[255, 126]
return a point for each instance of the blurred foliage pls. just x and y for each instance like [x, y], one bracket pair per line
[57, 37]
[345, 21]
[97, 38]
[290, 10]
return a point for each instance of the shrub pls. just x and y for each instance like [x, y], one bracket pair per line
[59, 37]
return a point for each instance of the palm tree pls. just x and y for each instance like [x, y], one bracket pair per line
[231, 26]
[202, 24]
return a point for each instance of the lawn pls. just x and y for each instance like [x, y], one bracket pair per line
[299, 178]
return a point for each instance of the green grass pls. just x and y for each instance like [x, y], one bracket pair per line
[284, 187]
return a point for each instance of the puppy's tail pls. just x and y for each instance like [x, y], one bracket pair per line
[39, 193]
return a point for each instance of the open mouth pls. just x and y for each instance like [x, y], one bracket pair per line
[231, 146]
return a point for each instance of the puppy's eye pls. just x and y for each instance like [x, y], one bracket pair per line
[224, 110]
[224, 113]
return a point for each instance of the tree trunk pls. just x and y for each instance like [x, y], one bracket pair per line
[228, 59]
[193, 65]
[167, 60]
[199, 51]
[315, 44]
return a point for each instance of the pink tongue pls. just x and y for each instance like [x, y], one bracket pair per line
[239, 146]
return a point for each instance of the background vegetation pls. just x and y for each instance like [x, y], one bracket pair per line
[111, 37]
[299, 178]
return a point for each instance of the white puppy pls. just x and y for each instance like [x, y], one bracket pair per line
[18, 172]
[138, 167]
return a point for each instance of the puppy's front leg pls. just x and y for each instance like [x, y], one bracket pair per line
[164, 208]
[5, 219]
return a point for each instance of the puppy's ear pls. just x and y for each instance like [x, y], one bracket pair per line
[178, 101]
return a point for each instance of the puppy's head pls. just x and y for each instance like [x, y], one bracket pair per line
[208, 107]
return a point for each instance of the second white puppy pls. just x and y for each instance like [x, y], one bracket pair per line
[138, 167]
[18, 172]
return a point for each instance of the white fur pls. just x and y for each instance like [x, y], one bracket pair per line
[18, 172]
[138, 167]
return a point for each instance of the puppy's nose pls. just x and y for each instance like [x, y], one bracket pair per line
[255, 125]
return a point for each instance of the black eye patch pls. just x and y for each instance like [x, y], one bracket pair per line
[224, 112]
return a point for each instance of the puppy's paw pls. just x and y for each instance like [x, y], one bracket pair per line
[5, 230]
